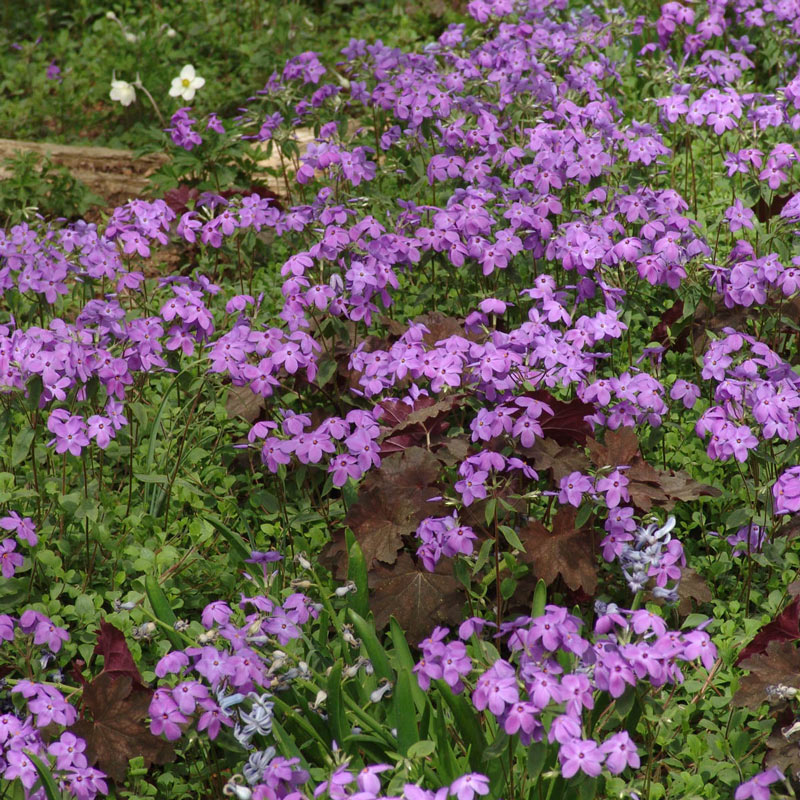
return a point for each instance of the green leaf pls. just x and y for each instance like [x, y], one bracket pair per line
[588, 789]
[21, 446]
[405, 712]
[357, 573]
[584, 512]
[151, 477]
[539, 599]
[489, 511]
[466, 723]
[70, 502]
[326, 369]
[507, 588]
[239, 548]
[498, 747]
[369, 638]
[335, 704]
[405, 661]
[45, 776]
[537, 755]
[287, 744]
[445, 757]
[422, 749]
[163, 610]
[510, 535]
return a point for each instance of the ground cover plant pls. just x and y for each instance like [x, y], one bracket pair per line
[466, 465]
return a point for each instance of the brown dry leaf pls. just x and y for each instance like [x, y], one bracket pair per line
[116, 731]
[565, 551]
[567, 424]
[692, 591]
[783, 753]
[440, 326]
[681, 486]
[422, 425]
[419, 600]
[392, 501]
[648, 486]
[620, 448]
[780, 665]
[561, 461]
[245, 403]
[453, 450]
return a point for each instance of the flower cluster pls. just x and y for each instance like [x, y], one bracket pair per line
[627, 647]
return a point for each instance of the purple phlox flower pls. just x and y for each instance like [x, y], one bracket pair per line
[335, 785]
[473, 625]
[367, 779]
[573, 487]
[165, 716]
[685, 391]
[580, 754]
[10, 560]
[758, 786]
[258, 557]
[492, 306]
[614, 487]
[698, 644]
[22, 526]
[44, 630]
[213, 718]
[171, 663]
[786, 492]
[620, 752]
[69, 751]
[738, 216]
[748, 539]
[496, 688]
[467, 786]
[187, 694]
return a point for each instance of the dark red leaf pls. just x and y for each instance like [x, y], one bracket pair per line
[117, 658]
[784, 628]
[568, 422]
[661, 333]
[113, 725]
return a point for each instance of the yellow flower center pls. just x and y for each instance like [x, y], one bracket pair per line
[186, 82]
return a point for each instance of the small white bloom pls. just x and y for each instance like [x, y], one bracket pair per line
[171, 33]
[131, 38]
[123, 92]
[186, 84]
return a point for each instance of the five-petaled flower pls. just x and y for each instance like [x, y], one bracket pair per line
[122, 92]
[186, 84]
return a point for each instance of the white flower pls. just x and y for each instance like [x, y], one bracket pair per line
[186, 84]
[123, 92]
